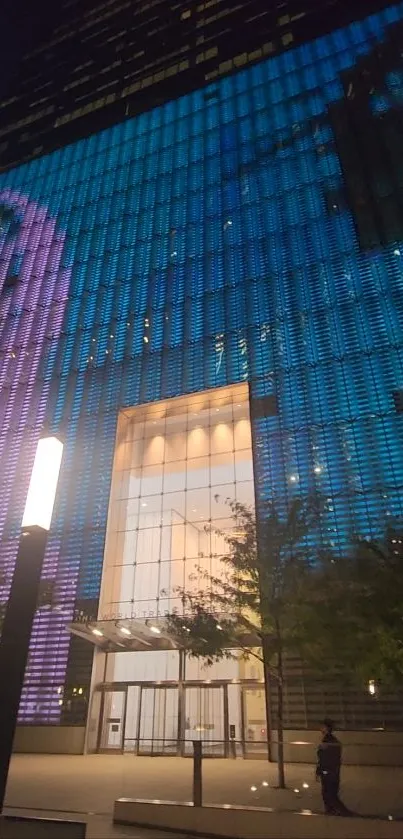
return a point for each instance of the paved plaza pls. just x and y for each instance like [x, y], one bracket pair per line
[90, 784]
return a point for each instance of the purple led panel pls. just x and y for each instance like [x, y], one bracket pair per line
[33, 294]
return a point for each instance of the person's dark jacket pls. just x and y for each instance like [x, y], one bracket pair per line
[329, 756]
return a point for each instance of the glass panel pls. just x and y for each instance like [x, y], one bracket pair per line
[132, 715]
[113, 721]
[177, 548]
[146, 720]
[175, 447]
[128, 554]
[245, 493]
[159, 721]
[198, 472]
[175, 502]
[204, 717]
[198, 443]
[154, 451]
[151, 480]
[221, 469]
[255, 733]
[243, 465]
[150, 511]
[222, 438]
[134, 484]
[148, 545]
[219, 507]
[198, 504]
[242, 434]
[175, 476]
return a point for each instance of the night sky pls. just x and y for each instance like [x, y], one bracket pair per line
[21, 22]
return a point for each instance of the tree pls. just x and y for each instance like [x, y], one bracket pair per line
[359, 597]
[256, 603]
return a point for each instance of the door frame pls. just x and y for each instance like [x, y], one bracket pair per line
[102, 721]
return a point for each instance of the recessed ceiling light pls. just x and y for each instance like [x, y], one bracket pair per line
[98, 633]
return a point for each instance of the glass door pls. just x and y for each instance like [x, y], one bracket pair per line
[158, 730]
[254, 721]
[113, 720]
[205, 720]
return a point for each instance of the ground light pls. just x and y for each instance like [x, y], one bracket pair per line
[22, 602]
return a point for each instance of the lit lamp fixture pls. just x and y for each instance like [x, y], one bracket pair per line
[22, 602]
[43, 484]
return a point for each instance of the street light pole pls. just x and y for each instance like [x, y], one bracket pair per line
[22, 602]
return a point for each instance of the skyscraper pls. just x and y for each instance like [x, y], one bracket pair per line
[105, 62]
[206, 298]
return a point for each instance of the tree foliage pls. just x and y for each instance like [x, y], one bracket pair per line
[257, 593]
[359, 610]
[255, 602]
[275, 593]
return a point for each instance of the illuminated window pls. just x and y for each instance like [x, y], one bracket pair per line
[225, 66]
[287, 39]
[253, 56]
[241, 59]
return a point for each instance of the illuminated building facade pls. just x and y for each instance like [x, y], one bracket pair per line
[207, 300]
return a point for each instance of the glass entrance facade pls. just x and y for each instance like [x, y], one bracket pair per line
[176, 465]
[150, 719]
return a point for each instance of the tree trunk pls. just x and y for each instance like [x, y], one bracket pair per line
[280, 730]
[280, 711]
[266, 673]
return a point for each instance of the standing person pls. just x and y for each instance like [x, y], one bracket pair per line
[328, 770]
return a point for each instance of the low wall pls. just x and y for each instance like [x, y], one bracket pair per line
[49, 739]
[249, 823]
[360, 748]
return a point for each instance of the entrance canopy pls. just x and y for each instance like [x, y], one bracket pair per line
[134, 635]
[128, 634]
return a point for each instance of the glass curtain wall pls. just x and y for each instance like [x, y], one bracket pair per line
[176, 465]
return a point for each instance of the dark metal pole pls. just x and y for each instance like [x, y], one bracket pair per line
[197, 773]
[181, 706]
[15, 638]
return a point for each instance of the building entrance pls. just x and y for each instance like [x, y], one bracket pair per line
[147, 719]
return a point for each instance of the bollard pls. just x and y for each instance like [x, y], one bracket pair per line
[197, 773]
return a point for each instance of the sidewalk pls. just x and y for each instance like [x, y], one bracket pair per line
[91, 783]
